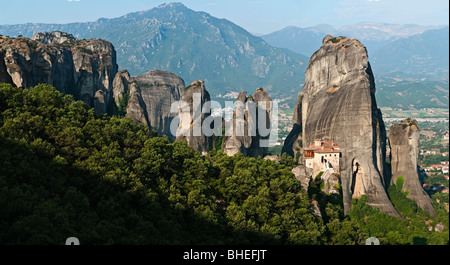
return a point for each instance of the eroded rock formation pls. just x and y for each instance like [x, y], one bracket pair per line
[87, 69]
[331, 182]
[304, 175]
[83, 68]
[248, 131]
[338, 105]
[136, 107]
[292, 144]
[190, 124]
[120, 85]
[158, 90]
[404, 144]
[150, 97]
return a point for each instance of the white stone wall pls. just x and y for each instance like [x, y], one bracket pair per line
[323, 162]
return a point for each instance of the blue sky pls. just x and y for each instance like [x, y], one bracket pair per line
[256, 16]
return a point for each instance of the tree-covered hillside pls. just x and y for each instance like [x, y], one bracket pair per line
[65, 172]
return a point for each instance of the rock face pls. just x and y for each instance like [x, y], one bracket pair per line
[4, 75]
[294, 138]
[190, 123]
[158, 90]
[304, 175]
[55, 37]
[248, 131]
[136, 107]
[331, 183]
[82, 68]
[404, 143]
[150, 97]
[120, 85]
[338, 105]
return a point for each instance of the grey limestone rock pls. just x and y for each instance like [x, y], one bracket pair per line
[331, 182]
[248, 131]
[136, 107]
[233, 141]
[190, 124]
[404, 144]
[292, 142]
[55, 37]
[439, 228]
[82, 68]
[159, 89]
[315, 209]
[120, 85]
[273, 158]
[4, 76]
[151, 97]
[304, 175]
[338, 105]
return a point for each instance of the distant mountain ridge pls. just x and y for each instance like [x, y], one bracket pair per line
[194, 45]
[425, 54]
[372, 35]
[411, 49]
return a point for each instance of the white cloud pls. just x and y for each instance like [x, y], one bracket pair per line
[73, 0]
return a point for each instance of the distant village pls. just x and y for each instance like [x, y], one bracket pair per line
[437, 169]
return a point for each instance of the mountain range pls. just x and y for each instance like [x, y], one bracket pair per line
[421, 51]
[195, 45]
[374, 35]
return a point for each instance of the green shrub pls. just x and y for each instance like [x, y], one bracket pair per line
[399, 182]
[334, 40]
[318, 177]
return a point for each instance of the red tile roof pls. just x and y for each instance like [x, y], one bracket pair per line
[325, 147]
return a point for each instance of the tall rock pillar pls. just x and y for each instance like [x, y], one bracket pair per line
[404, 143]
[338, 105]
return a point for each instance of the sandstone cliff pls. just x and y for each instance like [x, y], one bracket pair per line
[248, 131]
[338, 105]
[83, 68]
[190, 124]
[404, 143]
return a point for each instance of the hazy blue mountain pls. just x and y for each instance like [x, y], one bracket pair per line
[425, 54]
[377, 35]
[394, 50]
[193, 45]
[373, 35]
[301, 40]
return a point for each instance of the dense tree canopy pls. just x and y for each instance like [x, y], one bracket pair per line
[66, 172]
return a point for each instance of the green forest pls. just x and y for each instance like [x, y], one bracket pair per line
[66, 172]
